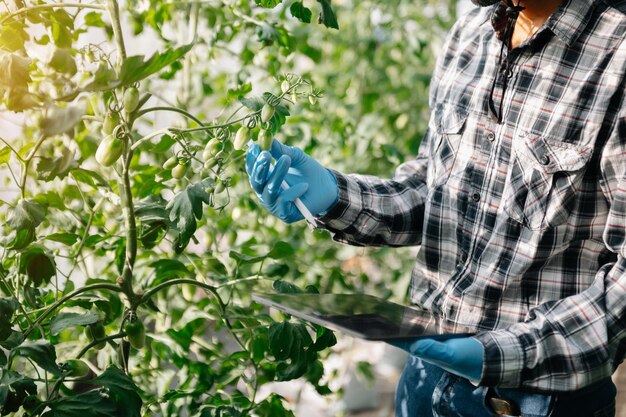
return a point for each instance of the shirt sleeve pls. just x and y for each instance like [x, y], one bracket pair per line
[376, 212]
[567, 344]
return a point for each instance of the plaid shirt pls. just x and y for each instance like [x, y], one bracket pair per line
[521, 223]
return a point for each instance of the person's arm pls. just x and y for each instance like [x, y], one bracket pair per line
[381, 212]
[573, 342]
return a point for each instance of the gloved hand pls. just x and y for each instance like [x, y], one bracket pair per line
[315, 185]
[461, 356]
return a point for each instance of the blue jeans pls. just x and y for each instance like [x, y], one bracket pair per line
[425, 390]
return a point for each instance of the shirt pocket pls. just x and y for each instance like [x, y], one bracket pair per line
[543, 181]
[449, 127]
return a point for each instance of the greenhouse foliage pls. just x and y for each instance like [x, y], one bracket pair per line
[130, 239]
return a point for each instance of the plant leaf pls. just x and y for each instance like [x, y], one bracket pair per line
[42, 353]
[92, 403]
[66, 320]
[62, 119]
[327, 15]
[301, 12]
[135, 68]
[185, 208]
[123, 392]
[5, 155]
[23, 219]
[268, 4]
[166, 269]
[37, 265]
[281, 250]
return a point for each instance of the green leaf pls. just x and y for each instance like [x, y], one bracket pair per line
[37, 265]
[135, 68]
[268, 4]
[273, 405]
[42, 353]
[103, 78]
[51, 168]
[63, 237]
[324, 339]
[123, 392]
[66, 320]
[166, 269]
[94, 403]
[245, 259]
[280, 114]
[185, 208]
[61, 119]
[5, 155]
[62, 61]
[301, 12]
[284, 287]
[88, 177]
[14, 79]
[327, 16]
[13, 36]
[281, 250]
[94, 19]
[8, 306]
[282, 338]
[23, 220]
[254, 103]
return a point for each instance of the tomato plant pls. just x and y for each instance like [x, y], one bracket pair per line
[130, 241]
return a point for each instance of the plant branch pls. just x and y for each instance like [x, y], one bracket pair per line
[172, 109]
[114, 12]
[180, 281]
[12, 149]
[128, 209]
[62, 300]
[52, 6]
[26, 164]
[204, 128]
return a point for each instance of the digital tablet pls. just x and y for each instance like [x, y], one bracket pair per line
[364, 316]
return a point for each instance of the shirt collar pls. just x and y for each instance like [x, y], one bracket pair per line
[570, 19]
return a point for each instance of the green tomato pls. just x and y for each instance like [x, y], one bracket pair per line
[171, 162]
[189, 292]
[96, 332]
[76, 368]
[179, 170]
[212, 148]
[267, 112]
[109, 150]
[111, 120]
[241, 137]
[211, 163]
[265, 140]
[312, 100]
[219, 187]
[131, 99]
[136, 333]
[284, 86]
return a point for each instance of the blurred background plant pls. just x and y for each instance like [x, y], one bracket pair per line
[130, 238]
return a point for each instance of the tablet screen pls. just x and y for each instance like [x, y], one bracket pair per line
[363, 316]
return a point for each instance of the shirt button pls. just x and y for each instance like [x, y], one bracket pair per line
[545, 160]
[491, 136]
[475, 196]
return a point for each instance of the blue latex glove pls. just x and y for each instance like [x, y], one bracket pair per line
[315, 185]
[461, 356]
